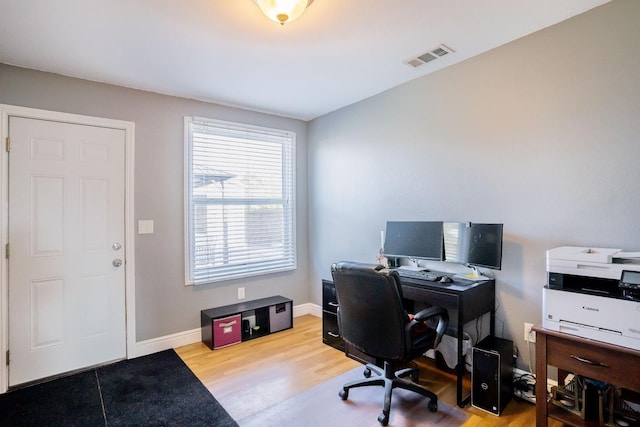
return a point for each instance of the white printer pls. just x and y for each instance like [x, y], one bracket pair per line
[593, 293]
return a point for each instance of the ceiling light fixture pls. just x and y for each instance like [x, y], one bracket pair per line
[282, 11]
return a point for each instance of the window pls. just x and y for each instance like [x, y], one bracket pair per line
[240, 206]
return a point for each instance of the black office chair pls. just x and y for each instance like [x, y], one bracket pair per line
[372, 319]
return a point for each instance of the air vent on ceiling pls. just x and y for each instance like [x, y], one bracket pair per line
[429, 56]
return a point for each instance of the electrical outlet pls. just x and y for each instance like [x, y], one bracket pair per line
[241, 293]
[529, 335]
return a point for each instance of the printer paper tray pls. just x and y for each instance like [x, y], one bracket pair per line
[610, 320]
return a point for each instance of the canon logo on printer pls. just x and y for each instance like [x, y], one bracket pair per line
[586, 307]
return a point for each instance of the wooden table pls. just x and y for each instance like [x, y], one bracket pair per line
[581, 356]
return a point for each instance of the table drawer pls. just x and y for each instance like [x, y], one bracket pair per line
[330, 332]
[617, 368]
[329, 298]
[434, 298]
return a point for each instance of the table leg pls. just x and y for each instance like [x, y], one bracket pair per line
[460, 368]
[492, 323]
[541, 380]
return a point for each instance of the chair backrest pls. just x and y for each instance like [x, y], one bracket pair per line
[370, 313]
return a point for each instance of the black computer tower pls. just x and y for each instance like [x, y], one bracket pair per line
[492, 374]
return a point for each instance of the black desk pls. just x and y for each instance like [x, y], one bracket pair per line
[470, 300]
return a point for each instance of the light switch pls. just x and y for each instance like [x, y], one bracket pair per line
[145, 226]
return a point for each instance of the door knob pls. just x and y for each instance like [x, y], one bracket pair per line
[117, 262]
[116, 246]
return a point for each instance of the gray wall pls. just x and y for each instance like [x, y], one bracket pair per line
[164, 305]
[542, 134]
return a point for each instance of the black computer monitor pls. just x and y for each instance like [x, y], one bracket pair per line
[414, 239]
[485, 246]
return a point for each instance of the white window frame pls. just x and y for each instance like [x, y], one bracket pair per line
[253, 268]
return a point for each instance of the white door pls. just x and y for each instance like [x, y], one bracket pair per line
[66, 254]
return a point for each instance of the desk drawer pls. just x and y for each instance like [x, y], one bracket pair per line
[622, 368]
[330, 332]
[329, 298]
[430, 296]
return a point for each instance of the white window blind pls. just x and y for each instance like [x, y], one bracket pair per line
[240, 207]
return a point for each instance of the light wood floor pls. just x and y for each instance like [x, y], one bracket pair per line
[251, 376]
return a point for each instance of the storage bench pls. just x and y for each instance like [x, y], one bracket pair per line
[231, 324]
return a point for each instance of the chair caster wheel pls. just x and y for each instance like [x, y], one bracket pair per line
[383, 419]
[367, 373]
[433, 405]
[344, 394]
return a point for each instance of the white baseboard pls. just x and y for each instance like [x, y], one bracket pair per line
[307, 308]
[154, 345]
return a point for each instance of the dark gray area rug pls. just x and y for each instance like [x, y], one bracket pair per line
[154, 390]
[69, 401]
[320, 406]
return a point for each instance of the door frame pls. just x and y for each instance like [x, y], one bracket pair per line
[128, 127]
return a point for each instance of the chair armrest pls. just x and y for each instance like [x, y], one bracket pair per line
[430, 312]
[440, 313]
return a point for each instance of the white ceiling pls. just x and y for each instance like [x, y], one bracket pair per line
[225, 51]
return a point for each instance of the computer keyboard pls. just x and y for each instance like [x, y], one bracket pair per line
[419, 274]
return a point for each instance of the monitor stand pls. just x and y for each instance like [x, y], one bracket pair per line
[475, 275]
[411, 268]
